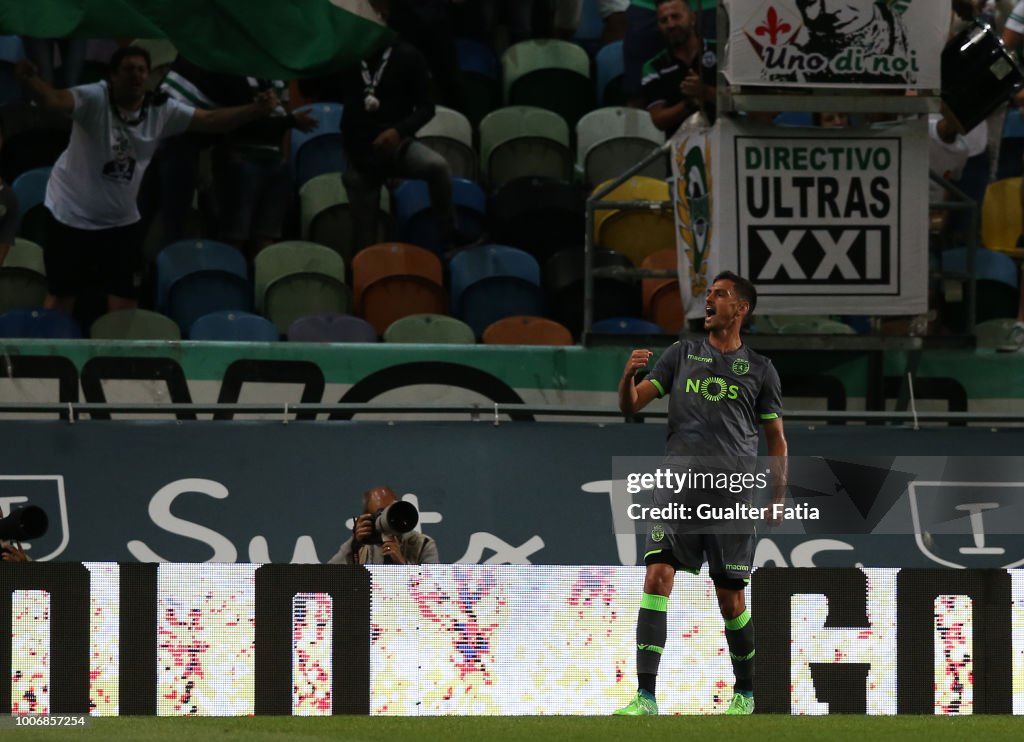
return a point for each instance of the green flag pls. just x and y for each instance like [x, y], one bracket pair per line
[273, 39]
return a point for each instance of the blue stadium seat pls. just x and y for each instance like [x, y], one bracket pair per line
[415, 220]
[331, 328]
[328, 116]
[491, 282]
[39, 323]
[182, 258]
[626, 326]
[322, 154]
[234, 326]
[30, 188]
[199, 277]
[11, 49]
[794, 118]
[480, 74]
[989, 265]
[609, 66]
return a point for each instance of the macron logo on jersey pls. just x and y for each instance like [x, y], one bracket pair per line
[701, 359]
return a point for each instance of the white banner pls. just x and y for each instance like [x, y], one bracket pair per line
[693, 161]
[826, 221]
[814, 43]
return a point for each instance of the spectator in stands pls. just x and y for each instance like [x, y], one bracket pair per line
[427, 25]
[412, 548]
[387, 100]
[680, 79]
[256, 187]
[569, 13]
[8, 212]
[72, 59]
[94, 222]
[524, 19]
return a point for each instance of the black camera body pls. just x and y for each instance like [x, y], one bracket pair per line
[396, 519]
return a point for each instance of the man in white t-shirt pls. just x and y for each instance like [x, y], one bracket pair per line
[94, 228]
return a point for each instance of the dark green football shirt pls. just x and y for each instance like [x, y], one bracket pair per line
[716, 400]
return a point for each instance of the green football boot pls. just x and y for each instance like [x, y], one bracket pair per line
[641, 705]
[741, 705]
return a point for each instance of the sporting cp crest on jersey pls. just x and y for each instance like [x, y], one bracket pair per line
[657, 533]
[740, 366]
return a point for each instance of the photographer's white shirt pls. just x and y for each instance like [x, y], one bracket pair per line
[96, 180]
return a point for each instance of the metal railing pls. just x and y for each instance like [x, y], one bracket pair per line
[73, 412]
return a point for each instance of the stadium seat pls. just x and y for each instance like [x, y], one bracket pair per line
[662, 302]
[30, 188]
[22, 277]
[11, 49]
[429, 329]
[1011, 146]
[794, 118]
[295, 279]
[322, 154]
[1000, 214]
[480, 75]
[394, 280]
[414, 217]
[38, 323]
[234, 326]
[524, 141]
[522, 330]
[450, 134]
[609, 141]
[997, 281]
[387, 260]
[636, 233]
[326, 216]
[550, 74]
[608, 79]
[626, 326]
[538, 215]
[563, 285]
[815, 326]
[134, 324]
[331, 328]
[199, 277]
[994, 333]
[492, 282]
[328, 115]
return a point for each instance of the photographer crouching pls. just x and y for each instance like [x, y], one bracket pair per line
[384, 533]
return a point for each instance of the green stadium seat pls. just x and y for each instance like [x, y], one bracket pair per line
[429, 329]
[550, 74]
[609, 141]
[134, 324]
[450, 134]
[295, 279]
[524, 141]
[23, 277]
[326, 218]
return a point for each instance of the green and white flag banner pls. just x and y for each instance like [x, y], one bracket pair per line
[272, 39]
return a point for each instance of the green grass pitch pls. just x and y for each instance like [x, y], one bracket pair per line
[532, 729]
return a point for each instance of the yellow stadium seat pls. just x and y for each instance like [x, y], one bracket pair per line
[1000, 214]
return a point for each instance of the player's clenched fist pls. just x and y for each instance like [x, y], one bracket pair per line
[637, 360]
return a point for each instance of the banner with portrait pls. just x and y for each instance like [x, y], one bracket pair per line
[856, 43]
[825, 221]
